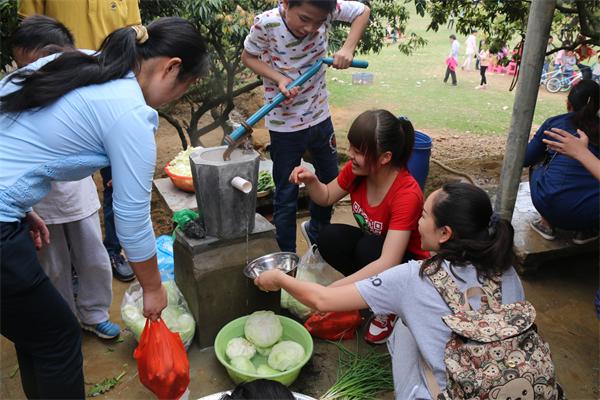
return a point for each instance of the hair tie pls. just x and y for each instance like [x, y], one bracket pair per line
[141, 33]
[494, 218]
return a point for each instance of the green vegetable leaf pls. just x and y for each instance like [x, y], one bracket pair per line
[106, 384]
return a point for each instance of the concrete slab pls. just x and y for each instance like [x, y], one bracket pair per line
[531, 249]
[174, 198]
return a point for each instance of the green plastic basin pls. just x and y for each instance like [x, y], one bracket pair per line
[292, 330]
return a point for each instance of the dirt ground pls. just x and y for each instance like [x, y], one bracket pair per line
[562, 290]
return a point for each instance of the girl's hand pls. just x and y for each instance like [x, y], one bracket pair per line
[291, 93]
[567, 144]
[154, 302]
[38, 230]
[342, 59]
[302, 175]
[268, 281]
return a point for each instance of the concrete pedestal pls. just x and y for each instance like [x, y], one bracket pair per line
[209, 274]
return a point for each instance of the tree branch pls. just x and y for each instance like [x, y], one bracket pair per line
[175, 123]
[571, 46]
[564, 9]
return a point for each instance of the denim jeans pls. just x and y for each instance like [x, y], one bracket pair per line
[111, 241]
[287, 149]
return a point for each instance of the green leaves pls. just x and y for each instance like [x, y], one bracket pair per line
[106, 384]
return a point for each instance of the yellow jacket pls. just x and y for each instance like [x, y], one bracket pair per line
[90, 21]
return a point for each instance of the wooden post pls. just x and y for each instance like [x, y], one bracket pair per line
[532, 61]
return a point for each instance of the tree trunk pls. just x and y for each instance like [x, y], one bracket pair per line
[536, 39]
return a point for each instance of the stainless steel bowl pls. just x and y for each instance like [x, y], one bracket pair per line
[285, 261]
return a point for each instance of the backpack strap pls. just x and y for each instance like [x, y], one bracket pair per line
[432, 385]
[446, 287]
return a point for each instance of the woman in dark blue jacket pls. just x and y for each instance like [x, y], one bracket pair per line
[563, 191]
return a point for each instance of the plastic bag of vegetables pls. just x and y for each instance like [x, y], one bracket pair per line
[312, 268]
[177, 315]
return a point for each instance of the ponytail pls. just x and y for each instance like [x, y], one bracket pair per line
[584, 98]
[122, 51]
[479, 237]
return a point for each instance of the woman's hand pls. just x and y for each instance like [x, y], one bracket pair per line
[567, 144]
[282, 84]
[269, 281]
[37, 229]
[302, 175]
[154, 302]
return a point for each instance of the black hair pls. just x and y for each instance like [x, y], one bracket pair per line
[479, 236]
[453, 37]
[119, 53]
[41, 32]
[584, 98]
[376, 131]
[325, 5]
[260, 389]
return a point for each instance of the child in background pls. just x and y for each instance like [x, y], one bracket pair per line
[471, 243]
[596, 71]
[484, 62]
[569, 62]
[386, 201]
[452, 60]
[70, 210]
[282, 44]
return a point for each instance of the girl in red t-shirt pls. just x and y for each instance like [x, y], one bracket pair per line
[386, 201]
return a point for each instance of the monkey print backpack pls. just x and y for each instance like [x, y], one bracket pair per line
[495, 352]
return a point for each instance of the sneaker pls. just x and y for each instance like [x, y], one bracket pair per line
[583, 237]
[380, 328]
[304, 229]
[542, 229]
[104, 330]
[121, 268]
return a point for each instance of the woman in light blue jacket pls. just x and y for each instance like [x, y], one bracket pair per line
[62, 118]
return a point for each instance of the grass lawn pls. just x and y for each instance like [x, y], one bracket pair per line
[412, 86]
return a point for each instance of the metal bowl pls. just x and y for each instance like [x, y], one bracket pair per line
[285, 261]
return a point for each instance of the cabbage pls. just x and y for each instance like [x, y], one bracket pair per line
[263, 328]
[243, 364]
[285, 355]
[240, 347]
[263, 351]
[180, 165]
[265, 370]
[176, 315]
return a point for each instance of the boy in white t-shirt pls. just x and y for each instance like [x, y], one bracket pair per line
[282, 44]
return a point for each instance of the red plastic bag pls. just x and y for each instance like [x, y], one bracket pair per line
[163, 365]
[333, 325]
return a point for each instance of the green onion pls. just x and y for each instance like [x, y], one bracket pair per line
[361, 376]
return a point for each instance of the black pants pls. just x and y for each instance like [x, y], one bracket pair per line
[348, 249]
[35, 317]
[482, 70]
[449, 72]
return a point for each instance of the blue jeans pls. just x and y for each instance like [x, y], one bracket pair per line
[287, 149]
[111, 241]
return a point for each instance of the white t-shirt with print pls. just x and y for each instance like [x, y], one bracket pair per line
[271, 41]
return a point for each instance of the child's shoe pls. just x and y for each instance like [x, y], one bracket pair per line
[380, 328]
[104, 330]
[545, 231]
[583, 237]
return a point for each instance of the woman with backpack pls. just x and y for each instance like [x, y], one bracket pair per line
[473, 250]
[62, 118]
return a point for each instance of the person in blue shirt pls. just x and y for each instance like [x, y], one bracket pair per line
[62, 118]
[563, 191]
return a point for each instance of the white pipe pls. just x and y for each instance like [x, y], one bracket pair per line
[241, 184]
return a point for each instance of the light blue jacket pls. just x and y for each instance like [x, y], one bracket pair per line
[87, 129]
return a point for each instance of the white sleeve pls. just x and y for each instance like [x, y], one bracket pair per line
[347, 11]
